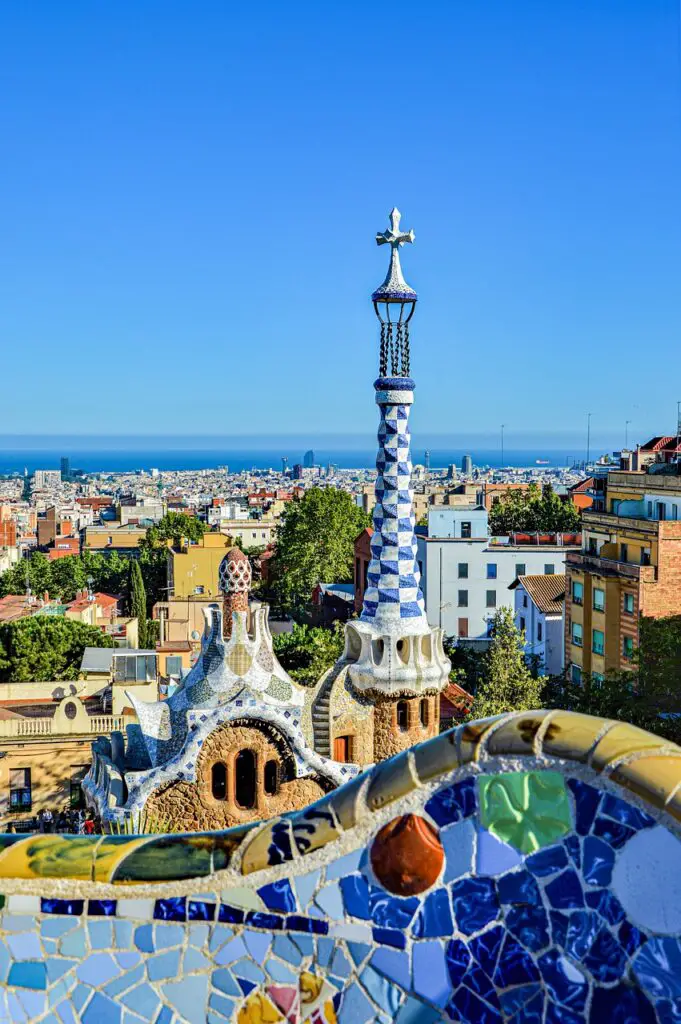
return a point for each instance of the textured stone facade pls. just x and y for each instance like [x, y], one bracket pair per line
[393, 734]
[193, 803]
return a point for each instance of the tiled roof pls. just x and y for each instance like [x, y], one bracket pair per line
[547, 592]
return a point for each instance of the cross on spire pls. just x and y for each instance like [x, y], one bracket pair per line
[393, 236]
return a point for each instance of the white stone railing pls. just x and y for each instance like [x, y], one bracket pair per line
[98, 725]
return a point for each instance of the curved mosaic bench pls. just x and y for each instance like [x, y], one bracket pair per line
[524, 868]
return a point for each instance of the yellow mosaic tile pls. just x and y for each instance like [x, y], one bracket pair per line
[436, 756]
[517, 735]
[276, 834]
[652, 777]
[259, 1009]
[49, 856]
[345, 802]
[470, 736]
[313, 828]
[621, 741]
[389, 781]
[571, 735]
[112, 851]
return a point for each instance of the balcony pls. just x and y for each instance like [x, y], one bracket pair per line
[99, 725]
[585, 562]
[608, 522]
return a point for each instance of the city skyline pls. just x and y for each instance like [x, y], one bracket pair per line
[161, 238]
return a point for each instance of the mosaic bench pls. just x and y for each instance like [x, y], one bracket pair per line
[524, 868]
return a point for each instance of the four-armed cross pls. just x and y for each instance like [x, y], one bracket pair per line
[393, 236]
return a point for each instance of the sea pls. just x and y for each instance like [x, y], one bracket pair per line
[122, 460]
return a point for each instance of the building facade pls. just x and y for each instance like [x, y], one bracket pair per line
[467, 574]
[539, 615]
[629, 567]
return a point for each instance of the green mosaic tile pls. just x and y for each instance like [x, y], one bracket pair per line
[528, 810]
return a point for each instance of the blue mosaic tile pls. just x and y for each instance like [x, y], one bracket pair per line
[458, 959]
[164, 965]
[583, 928]
[105, 908]
[298, 923]
[599, 859]
[197, 910]
[547, 861]
[557, 1014]
[259, 919]
[435, 916]
[612, 831]
[389, 937]
[657, 967]
[621, 1005]
[50, 906]
[531, 1013]
[530, 925]
[394, 964]
[453, 803]
[391, 911]
[630, 937]
[493, 856]
[518, 887]
[626, 813]
[515, 999]
[565, 983]
[475, 903]
[101, 1010]
[606, 959]
[355, 889]
[465, 1006]
[587, 800]
[385, 995]
[565, 891]
[28, 974]
[172, 909]
[478, 981]
[279, 896]
[230, 915]
[515, 965]
[485, 948]
[607, 905]
[355, 1007]
[571, 844]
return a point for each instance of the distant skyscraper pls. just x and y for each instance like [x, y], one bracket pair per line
[466, 465]
[284, 465]
[451, 471]
[65, 467]
[298, 471]
[308, 459]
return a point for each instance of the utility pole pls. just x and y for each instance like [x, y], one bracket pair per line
[502, 444]
[626, 434]
[588, 440]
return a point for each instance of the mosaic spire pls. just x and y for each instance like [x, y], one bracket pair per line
[393, 589]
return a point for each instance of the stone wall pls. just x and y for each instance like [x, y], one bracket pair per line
[389, 738]
[192, 806]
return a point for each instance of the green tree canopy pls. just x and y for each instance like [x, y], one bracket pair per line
[309, 651]
[315, 544]
[506, 682]
[533, 511]
[138, 602]
[173, 527]
[45, 648]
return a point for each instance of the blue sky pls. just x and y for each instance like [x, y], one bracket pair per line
[189, 195]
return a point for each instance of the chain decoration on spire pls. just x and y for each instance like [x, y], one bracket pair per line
[394, 303]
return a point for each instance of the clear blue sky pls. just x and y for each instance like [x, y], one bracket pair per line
[189, 194]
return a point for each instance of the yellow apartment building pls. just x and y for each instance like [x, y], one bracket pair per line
[113, 537]
[193, 567]
[629, 567]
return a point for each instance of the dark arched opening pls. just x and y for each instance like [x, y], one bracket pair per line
[402, 715]
[244, 780]
[271, 778]
[219, 781]
[423, 711]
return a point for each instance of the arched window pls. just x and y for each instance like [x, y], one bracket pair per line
[423, 711]
[271, 778]
[402, 715]
[219, 781]
[244, 779]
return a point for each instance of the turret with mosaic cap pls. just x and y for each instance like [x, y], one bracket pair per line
[235, 584]
[392, 647]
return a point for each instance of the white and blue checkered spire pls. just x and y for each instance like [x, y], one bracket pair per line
[393, 592]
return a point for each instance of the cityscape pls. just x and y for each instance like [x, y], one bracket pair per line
[291, 733]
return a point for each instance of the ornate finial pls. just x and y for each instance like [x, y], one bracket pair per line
[394, 288]
[393, 236]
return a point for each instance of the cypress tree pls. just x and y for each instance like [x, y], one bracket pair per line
[138, 601]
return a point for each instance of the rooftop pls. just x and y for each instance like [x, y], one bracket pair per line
[546, 592]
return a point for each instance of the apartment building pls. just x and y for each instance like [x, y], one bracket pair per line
[629, 567]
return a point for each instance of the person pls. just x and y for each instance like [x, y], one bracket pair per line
[47, 820]
[89, 826]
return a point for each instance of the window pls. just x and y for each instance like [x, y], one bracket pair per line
[463, 599]
[576, 674]
[661, 510]
[597, 677]
[593, 546]
[76, 797]
[136, 668]
[218, 781]
[244, 781]
[491, 570]
[628, 647]
[577, 634]
[599, 599]
[463, 627]
[629, 604]
[463, 570]
[645, 556]
[597, 641]
[423, 711]
[549, 569]
[491, 599]
[650, 510]
[522, 623]
[675, 511]
[174, 666]
[577, 592]
[524, 600]
[539, 632]
[271, 778]
[200, 589]
[624, 553]
[342, 749]
[466, 531]
[20, 789]
[402, 715]
[520, 569]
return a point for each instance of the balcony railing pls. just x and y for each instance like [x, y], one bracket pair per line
[611, 566]
[98, 725]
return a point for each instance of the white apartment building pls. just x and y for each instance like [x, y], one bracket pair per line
[466, 574]
[46, 479]
[539, 613]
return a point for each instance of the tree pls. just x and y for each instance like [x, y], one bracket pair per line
[534, 512]
[308, 651]
[507, 683]
[173, 527]
[138, 602]
[45, 648]
[315, 544]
